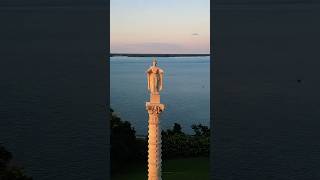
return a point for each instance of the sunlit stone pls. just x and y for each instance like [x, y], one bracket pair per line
[154, 108]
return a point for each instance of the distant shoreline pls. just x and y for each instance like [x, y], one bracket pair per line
[157, 55]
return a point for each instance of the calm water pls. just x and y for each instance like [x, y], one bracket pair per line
[266, 124]
[53, 92]
[186, 92]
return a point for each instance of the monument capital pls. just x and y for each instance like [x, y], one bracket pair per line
[154, 108]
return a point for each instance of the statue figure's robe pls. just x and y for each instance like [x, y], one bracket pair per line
[155, 79]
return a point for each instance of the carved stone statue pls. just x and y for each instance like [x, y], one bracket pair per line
[155, 78]
[154, 108]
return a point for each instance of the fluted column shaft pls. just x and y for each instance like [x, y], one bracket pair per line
[154, 141]
[154, 148]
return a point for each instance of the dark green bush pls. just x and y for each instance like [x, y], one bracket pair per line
[8, 171]
[126, 148]
[176, 144]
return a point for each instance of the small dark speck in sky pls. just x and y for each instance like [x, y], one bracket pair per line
[195, 34]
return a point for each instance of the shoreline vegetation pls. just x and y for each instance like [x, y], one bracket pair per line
[8, 169]
[156, 55]
[128, 150]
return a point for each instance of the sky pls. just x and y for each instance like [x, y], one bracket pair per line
[160, 26]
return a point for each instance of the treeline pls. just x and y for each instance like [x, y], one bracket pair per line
[126, 148]
[157, 55]
[9, 171]
[176, 143]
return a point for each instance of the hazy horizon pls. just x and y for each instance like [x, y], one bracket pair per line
[160, 27]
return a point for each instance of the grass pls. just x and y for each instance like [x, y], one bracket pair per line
[186, 169]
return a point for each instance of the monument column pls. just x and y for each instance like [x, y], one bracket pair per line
[154, 108]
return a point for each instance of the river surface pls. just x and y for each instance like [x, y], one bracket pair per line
[186, 91]
[266, 92]
[53, 91]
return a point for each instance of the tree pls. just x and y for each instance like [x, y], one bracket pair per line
[7, 171]
[125, 148]
[177, 129]
[176, 144]
[201, 130]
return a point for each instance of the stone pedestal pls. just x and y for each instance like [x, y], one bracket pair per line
[154, 109]
[155, 98]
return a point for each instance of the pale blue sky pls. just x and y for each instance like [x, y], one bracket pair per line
[160, 26]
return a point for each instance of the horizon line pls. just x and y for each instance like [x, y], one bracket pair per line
[158, 54]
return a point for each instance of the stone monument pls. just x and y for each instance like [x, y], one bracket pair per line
[154, 108]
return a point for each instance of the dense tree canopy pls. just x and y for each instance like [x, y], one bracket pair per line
[176, 144]
[126, 147]
[8, 171]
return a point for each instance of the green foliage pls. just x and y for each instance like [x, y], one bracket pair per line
[176, 144]
[7, 171]
[200, 130]
[125, 148]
